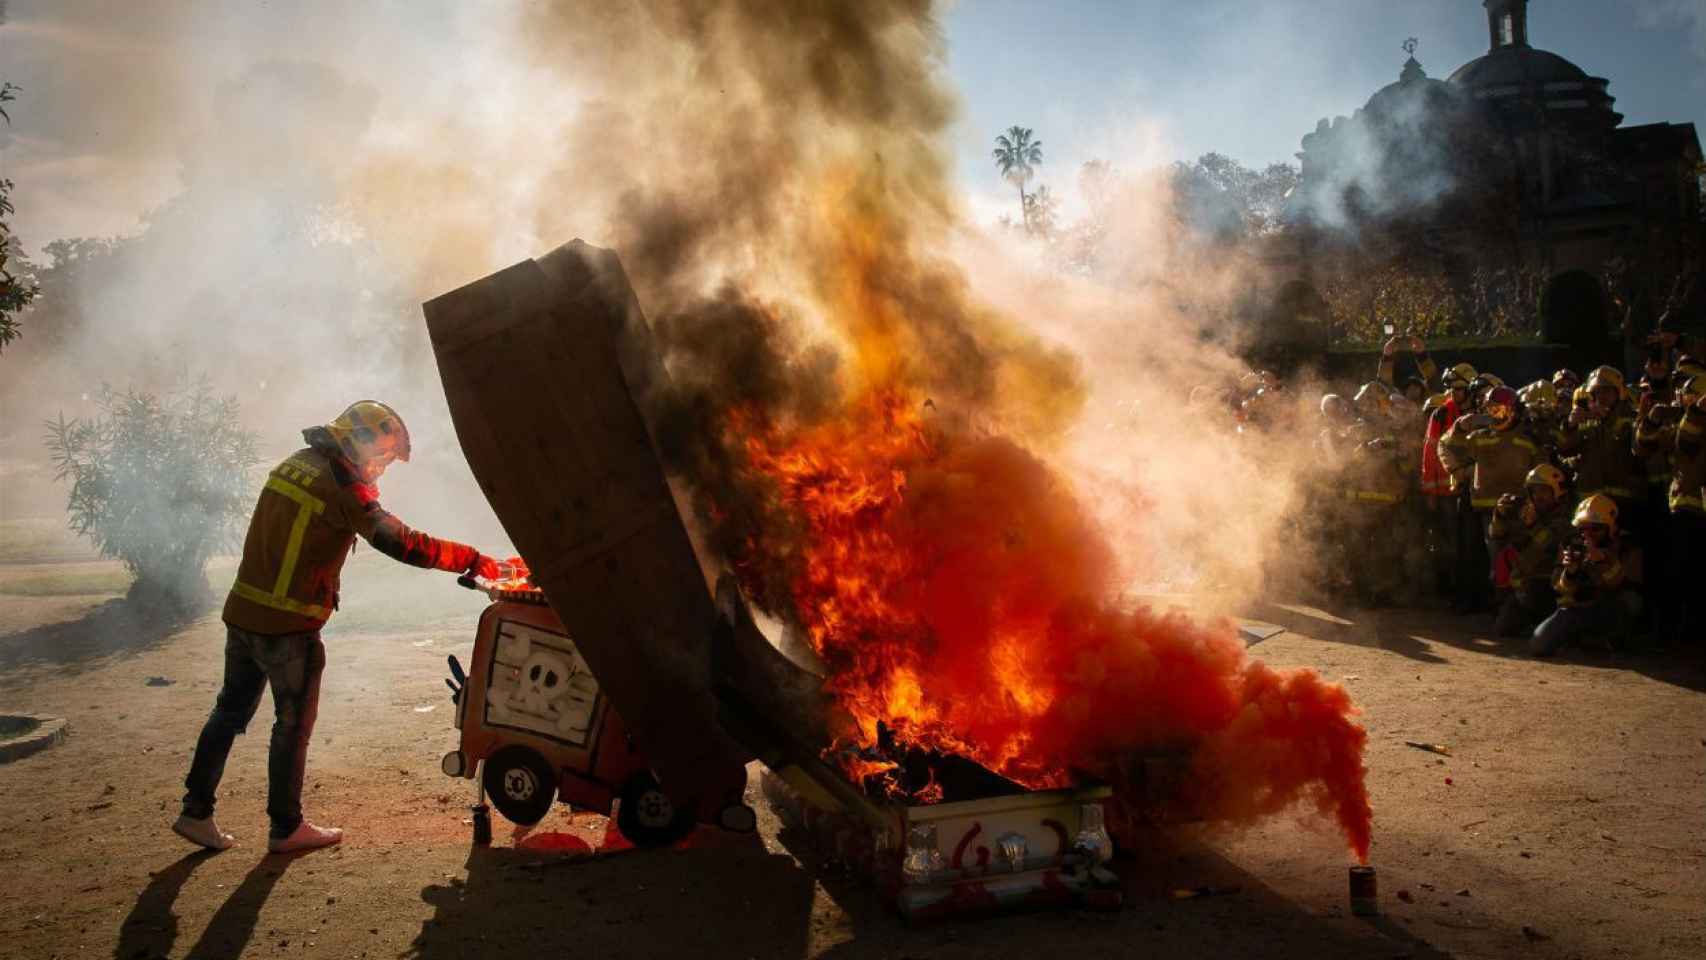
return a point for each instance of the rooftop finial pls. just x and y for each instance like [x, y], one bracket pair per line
[1412, 70]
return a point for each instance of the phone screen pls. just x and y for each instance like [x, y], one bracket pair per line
[1390, 329]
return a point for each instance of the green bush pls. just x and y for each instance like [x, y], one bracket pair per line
[160, 482]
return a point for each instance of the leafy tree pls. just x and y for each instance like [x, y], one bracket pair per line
[1018, 156]
[59, 314]
[160, 482]
[15, 292]
[1221, 199]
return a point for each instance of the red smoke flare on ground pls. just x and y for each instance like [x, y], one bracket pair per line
[960, 595]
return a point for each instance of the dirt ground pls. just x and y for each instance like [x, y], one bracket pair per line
[1569, 821]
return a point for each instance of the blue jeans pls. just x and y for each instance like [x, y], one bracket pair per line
[292, 663]
[1606, 619]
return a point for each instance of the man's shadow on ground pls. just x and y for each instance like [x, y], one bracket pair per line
[151, 927]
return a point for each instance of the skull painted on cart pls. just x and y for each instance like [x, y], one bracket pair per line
[544, 683]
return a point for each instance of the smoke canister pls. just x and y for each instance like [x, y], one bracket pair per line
[1365, 892]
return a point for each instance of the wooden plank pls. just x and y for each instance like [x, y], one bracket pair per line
[536, 362]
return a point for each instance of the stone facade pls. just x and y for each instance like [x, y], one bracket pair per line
[1518, 157]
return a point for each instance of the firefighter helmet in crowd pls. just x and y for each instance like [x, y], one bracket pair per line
[1566, 380]
[1540, 397]
[1333, 407]
[1501, 407]
[1695, 385]
[1605, 377]
[1688, 367]
[1548, 476]
[1372, 400]
[1580, 398]
[1599, 510]
[371, 432]
[1457, 377]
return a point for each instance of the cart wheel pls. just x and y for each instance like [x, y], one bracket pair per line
[647, 816]
[521, 785]
[482, 826]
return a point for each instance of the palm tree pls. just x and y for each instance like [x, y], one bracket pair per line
[1018, 156]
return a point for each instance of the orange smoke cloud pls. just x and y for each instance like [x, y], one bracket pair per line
[960, 596]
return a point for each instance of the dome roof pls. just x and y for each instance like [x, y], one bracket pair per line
[1413, 87]
[1507, 65]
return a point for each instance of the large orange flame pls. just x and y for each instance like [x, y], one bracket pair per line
[961, 596]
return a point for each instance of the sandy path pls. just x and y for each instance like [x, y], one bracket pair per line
[1574, 809]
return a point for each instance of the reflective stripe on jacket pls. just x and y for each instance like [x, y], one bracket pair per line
[1688, 476]
[1501, 460]
[309, 513]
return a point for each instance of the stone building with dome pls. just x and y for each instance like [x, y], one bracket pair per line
[1517, 157]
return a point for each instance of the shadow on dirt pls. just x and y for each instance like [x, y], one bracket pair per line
[726, 898]
[734, 899]
[151, 928]
[1434, 636]
[118, 627]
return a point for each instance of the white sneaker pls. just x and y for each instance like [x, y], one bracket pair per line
[203, 832]
[306, 836]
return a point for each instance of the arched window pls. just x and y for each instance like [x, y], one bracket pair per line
[1507, 29]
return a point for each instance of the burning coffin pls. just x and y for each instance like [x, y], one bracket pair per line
[547, 367]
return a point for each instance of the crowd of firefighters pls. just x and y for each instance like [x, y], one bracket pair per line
[1571, 507]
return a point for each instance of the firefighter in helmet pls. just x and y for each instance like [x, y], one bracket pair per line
[1413, 388]
[1594, 602]
[1374, 479]
[309, 512]
[1440, 497]
[1540, 415]
[1491, 454]
[1601, 438]
[1680, 428]
[1528, 530]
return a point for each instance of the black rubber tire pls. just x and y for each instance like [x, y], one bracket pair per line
[647, 816]
[520, 784]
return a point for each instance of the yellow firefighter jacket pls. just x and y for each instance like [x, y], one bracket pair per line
[1374, 472]
[310, 511]
[1688, 476]
[1605, 456]
[1500, 459]
[1536, 546]
[1590, 582]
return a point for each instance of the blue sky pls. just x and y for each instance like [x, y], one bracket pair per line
[114, 93]
[1144, 80]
